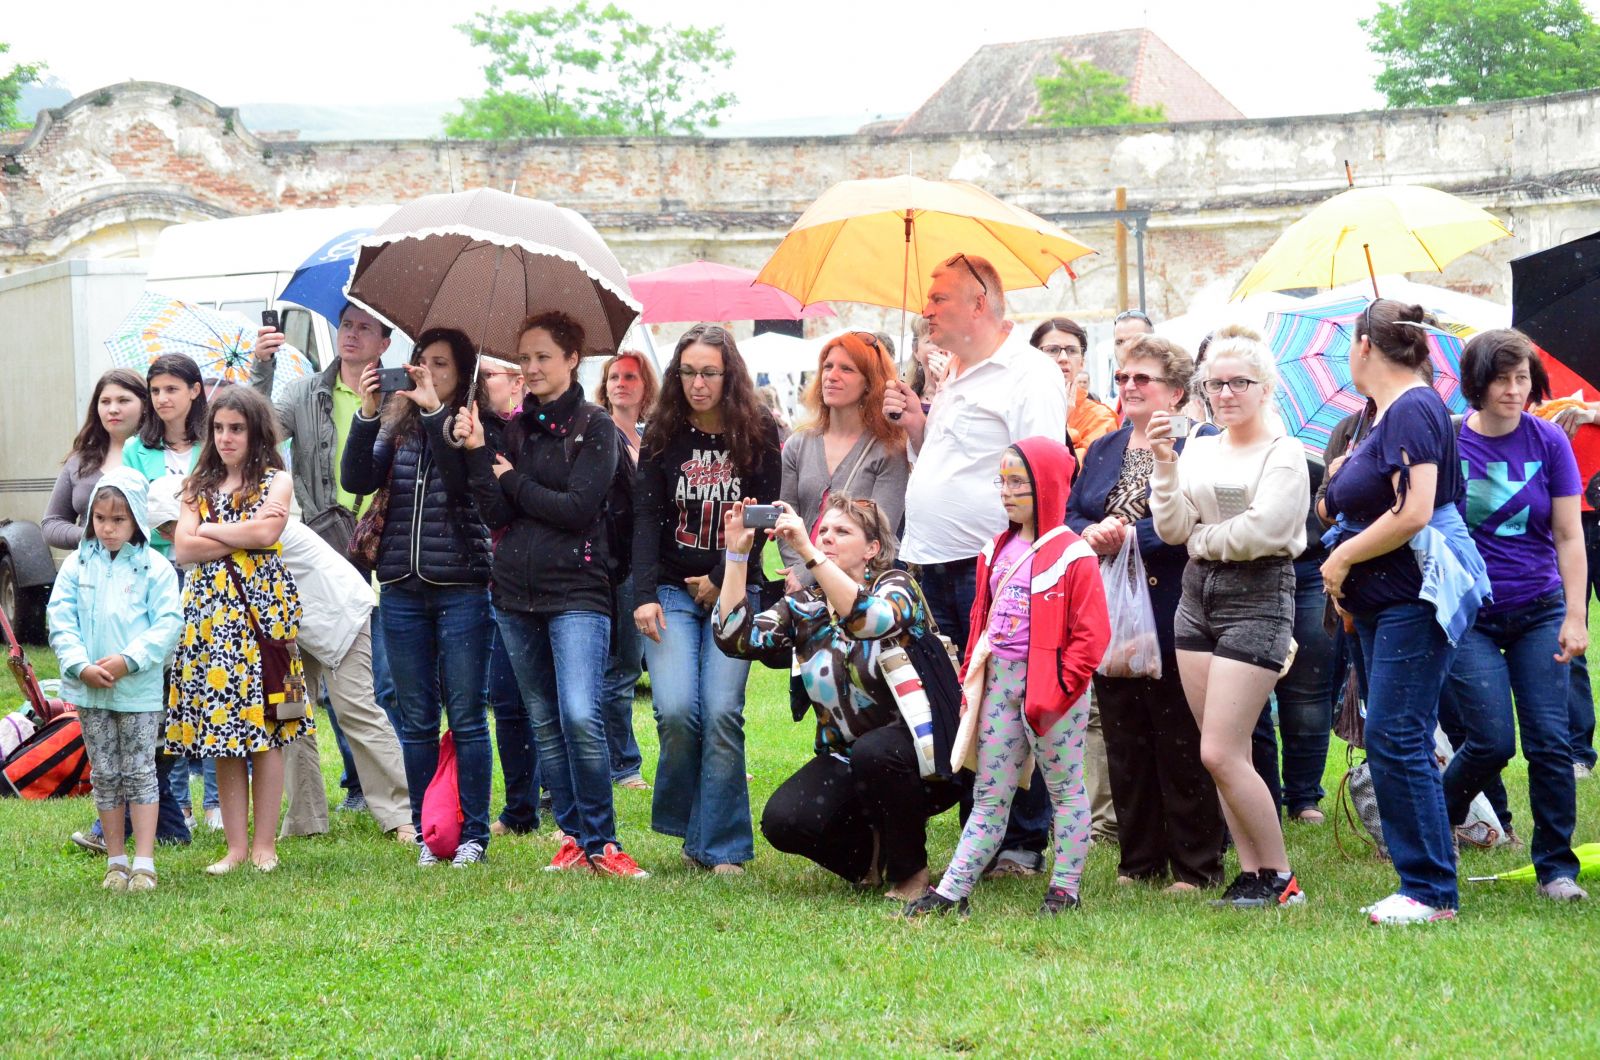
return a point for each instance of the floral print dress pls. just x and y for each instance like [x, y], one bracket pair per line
[214, 701]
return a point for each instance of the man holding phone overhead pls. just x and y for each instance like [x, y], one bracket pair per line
[314, 415]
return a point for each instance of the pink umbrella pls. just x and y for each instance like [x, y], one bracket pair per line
[704, 290]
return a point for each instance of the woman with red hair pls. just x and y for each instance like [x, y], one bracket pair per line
[848, 446]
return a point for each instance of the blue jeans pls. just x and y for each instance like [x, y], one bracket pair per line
[616, 690]
[1501, 656]
[513, 733]
[949, 589]
[438, 648]
[1580, 698]
[1305, 697]
[1407, 658]
[554, 657]
[349, 779]
[169, 817]
[701, 794]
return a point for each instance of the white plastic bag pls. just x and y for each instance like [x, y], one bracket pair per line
[1134, 650]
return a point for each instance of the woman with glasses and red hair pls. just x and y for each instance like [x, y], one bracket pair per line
[709, 444]
[848, 446]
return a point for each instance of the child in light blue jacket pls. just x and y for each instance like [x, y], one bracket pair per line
[115, 617]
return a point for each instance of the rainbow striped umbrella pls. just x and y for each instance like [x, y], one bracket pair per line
[1313, 358]
[220, 343]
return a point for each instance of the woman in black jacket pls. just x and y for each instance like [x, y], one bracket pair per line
[710, 444]
[433, 564]
[547, 485]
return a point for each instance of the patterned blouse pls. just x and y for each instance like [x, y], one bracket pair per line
[838, 657]
[1130, 497]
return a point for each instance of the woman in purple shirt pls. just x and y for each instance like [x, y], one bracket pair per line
[1521, 505]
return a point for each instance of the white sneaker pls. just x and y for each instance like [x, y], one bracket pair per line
[1400, 909]
[468, 853]
[214, 818]
[1581, 771]
[1563, 889]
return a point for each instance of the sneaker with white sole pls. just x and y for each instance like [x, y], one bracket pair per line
[214, 818]
[469, 853]
[614, 861]
[426, 858]
[1402, 909]
[1580, 771]
[1563, 889]
[569, 855]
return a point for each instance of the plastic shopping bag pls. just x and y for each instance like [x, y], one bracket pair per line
[1134, 650]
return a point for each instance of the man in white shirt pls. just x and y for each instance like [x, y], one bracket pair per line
[997, 390]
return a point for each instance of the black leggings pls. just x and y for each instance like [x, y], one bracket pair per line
[829, 810]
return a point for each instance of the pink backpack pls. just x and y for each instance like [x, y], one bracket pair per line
[441, 804]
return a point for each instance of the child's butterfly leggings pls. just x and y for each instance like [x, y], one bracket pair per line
[1004, 738]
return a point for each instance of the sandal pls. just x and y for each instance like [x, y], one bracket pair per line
[116, 878]
[142, 880]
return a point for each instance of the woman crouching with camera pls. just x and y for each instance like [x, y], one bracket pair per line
[860, 807]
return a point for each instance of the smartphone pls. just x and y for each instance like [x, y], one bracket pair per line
[761, 516]
[393, 380]
[269, 319]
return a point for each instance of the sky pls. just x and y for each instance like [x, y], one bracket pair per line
[793, 61]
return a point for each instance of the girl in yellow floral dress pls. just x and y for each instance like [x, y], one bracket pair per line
[235, 504]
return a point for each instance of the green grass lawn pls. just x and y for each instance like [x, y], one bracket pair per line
[349, 949]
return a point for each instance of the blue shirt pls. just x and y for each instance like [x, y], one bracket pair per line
[1415, 430]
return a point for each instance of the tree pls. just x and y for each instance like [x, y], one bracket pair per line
[11, 86]
[589, 71]
[1083, 94]
[1442, 52]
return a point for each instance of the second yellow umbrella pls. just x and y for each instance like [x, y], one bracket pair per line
[877, 241]
[1363, 232]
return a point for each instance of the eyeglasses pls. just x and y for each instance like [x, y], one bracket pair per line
[1012, 486]
[710, 375]
[1238, 384]
[1138, 379]
[1132, 314]
[869, 338]
[1057, 351]
[963, 259]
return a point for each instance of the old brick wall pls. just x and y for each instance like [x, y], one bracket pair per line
[135, 156]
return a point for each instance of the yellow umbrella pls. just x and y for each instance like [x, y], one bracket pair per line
[877, 241]
[1365, 231]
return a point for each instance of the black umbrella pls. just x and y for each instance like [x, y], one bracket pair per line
[1555, 301]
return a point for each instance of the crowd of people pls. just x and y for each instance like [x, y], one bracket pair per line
[488, 538]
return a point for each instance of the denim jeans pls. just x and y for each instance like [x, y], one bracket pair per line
[382, 680]
[438, 648]
[1513, 655]
[701, 793]
[555, 659]
[169, 817]
[513, 734]
[616, 690]
[349, 779]
[949, 589]
[1580, 697]
[1305, 697]
[1407, 658]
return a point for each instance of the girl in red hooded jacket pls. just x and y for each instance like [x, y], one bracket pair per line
[1042, 610]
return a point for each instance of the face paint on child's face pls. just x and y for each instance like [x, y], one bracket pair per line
[1016, 489]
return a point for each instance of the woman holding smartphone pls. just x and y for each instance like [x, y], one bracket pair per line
[1238, 501]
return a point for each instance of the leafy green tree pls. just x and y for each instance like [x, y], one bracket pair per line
[11, 86]
[1442, 52]
[1083, 94]
[584, 70]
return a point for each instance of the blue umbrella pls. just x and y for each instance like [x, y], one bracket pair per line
[319, 282]
[1312, 348]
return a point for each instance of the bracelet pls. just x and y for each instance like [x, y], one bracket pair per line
[736, 557]
[813, 564]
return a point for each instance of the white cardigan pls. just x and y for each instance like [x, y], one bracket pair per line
[1277, 487]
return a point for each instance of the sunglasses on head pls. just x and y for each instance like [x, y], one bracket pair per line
[1132, 314]
[963, 259]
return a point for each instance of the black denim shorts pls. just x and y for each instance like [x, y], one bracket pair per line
[1241, 611]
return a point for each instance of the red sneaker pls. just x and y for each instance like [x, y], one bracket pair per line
[615, 861]
[569, 855]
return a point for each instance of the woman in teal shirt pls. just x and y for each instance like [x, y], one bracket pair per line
[167, 442]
